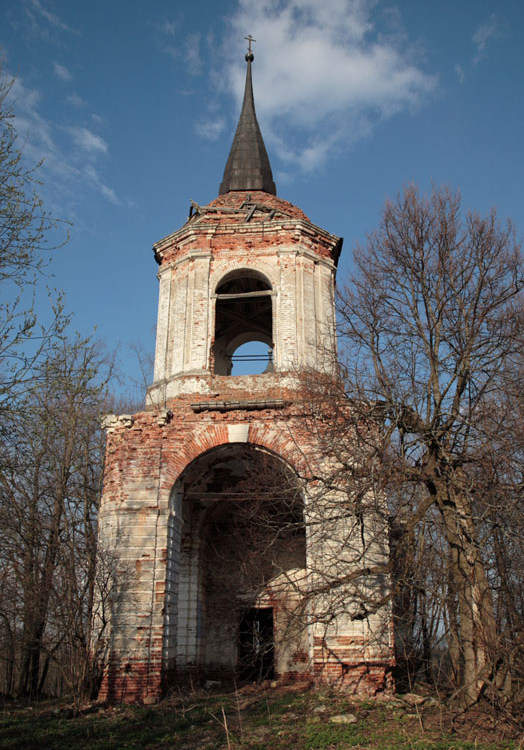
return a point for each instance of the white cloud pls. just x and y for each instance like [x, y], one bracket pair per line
[76, 100]
[192, 54]
[459, 70]
[188, 51]
[210, 129]
[328, 70]
[67, 163]
[99, 120]
[62, 72]
[167, 27]
[88, 141]
[493, 28]
[30, 125]
[94, 178]
[35, 8]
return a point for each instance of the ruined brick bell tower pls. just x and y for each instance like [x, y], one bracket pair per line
[205, 522]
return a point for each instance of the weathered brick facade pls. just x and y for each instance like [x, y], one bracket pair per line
[168, 615]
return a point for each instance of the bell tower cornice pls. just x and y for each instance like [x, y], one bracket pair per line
[250, 217]
[291, 235]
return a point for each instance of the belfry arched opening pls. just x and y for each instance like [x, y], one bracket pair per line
[243, 314]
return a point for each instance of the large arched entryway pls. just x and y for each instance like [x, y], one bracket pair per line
[241, 563]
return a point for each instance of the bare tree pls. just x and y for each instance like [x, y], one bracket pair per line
[53, 390]
[430, 330]
[27, 237]
[50, 485]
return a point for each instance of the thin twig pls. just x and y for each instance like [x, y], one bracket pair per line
[225, 727]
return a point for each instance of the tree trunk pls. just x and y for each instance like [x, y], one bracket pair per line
[477, 626]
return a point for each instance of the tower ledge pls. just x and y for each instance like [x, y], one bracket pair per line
[241, 215]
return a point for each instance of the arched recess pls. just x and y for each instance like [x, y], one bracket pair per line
[243, 313]
[237, 562]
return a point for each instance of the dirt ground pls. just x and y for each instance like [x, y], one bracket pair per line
[260, 717]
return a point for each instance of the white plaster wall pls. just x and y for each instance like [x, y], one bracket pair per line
[287, 344]
[339, 544]
[178, 316]
[174, 529]
[189, 618]
[163, 319]
[130, 552]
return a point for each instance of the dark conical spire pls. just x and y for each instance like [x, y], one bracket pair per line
[248, 166]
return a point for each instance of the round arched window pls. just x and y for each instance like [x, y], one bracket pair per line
[243, 324]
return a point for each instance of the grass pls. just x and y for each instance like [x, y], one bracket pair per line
[254, 718]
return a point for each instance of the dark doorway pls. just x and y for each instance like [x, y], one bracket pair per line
[257, 647]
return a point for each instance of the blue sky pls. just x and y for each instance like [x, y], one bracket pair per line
[133, 105]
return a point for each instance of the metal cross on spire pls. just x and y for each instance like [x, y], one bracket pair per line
[249, 39]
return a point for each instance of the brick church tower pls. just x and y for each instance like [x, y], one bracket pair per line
[209, 518]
